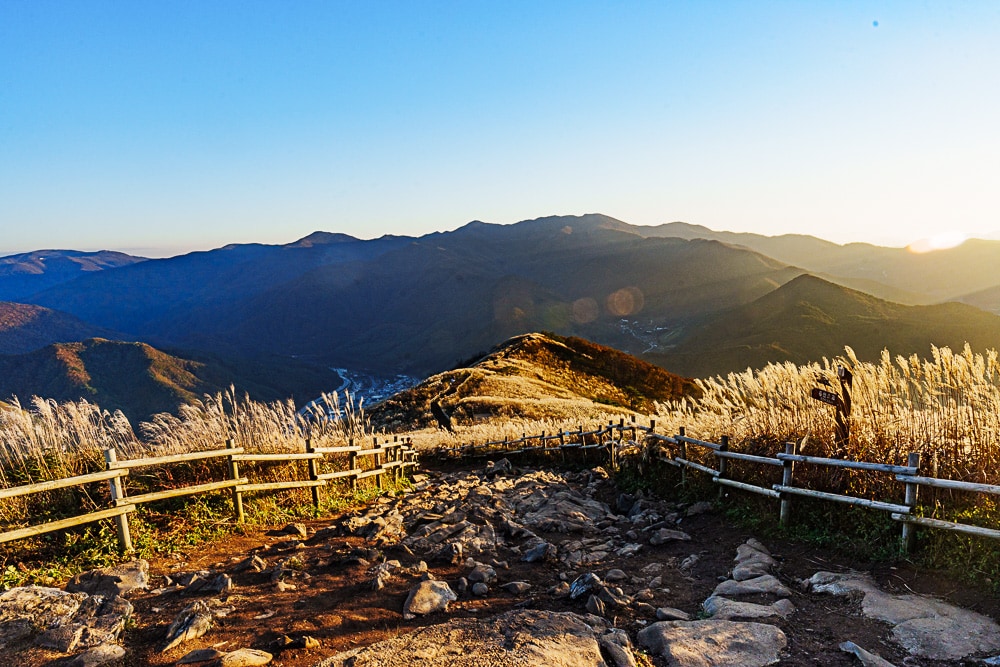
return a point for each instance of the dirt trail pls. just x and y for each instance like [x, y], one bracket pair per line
[324, 588]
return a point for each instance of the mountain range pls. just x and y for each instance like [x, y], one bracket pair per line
[692, 300]
[141, 380]
[536, 376]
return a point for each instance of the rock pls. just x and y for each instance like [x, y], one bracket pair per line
[560, 590]
[97, 655]
[428, 597]
[254, 563]
[298, 530]
[923, 626]
[615, 576]
[729, 610]
[766, 584]
[480, 589]
[517, 587]
[664, 535]
[617, 655]
[539, 552]
[192, 622]
[27, 610]
[713, 643]
[628, 550]
[751, 562]
[867, 659]
[688, 563]
[583, 584]
[522, 638]
[111, 581]
[483, 573]
[98, 621]
[671, 614]
[699, 508]
[497, 468]
[625, 503]
[245, 657]
[596, 606]
[62, 620]
[202, 656]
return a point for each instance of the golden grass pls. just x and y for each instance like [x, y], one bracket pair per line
[947, 408]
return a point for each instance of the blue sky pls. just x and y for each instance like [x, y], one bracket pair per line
[165, 127]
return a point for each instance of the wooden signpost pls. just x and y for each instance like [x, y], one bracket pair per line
[841, 401]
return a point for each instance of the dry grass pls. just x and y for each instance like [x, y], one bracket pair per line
[947, 408]
[49, 440]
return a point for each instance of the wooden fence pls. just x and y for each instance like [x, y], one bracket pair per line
[389, 458]
[680, 451]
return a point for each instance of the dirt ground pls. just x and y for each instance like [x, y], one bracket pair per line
[337, 606]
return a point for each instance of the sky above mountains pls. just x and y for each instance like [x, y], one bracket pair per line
[158, 128]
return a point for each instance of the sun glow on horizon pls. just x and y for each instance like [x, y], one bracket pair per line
[941, 241]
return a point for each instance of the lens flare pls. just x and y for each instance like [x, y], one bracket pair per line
[941, 241]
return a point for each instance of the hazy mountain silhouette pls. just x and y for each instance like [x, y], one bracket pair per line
[895, 274]
[419, 305]
[141, 381]
[27, 273]
[809, 318]
[26, 327]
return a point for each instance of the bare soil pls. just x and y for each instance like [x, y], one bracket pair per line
[337, 606]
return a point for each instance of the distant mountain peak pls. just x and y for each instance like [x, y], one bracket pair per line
[322, 238]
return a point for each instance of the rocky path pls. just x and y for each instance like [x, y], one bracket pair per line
[500, 567]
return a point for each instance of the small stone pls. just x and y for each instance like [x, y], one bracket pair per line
[97, 655]
[583, 584]
[517, 587]
[428, 597]
[664, 535]
[560, 590]
[192, 622]
[201, 656]
[480, 589]
[245, 657]
[483, 573]
[596, 606]
[298, 530]
[615, 576]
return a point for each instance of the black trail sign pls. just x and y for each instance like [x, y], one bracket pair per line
[826, 397]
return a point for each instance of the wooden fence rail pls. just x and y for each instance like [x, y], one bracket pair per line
[390, 458]
[674, 450]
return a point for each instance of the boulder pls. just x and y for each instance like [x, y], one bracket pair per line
[192, 622]
[866, 658]
[60, 620]
[664, 535]
[712, 643]
[763, 585]
[729, 610]
[112, 581]
[523, 638]
[925, 627]
[428, 597]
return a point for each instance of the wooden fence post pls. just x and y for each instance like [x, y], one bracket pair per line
[788, 469]
[683, 452]
[234, 473]
[117, 498]
[378, 464]
[352, 462]
[909, 529]
[313, 472]
[723, 463]
[397, 456]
